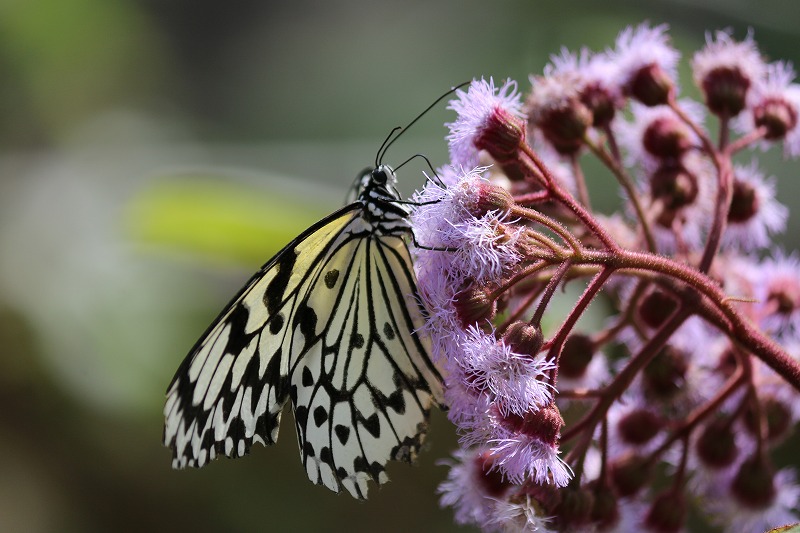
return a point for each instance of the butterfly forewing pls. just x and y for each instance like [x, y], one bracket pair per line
[230, 389]
[330, 323]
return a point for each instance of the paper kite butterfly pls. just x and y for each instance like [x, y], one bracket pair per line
[329, 324]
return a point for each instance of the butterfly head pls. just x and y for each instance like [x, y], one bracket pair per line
[379, 183]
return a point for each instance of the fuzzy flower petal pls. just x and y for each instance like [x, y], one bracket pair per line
[642, 48]
[521, 457]
[514, 381]
[519, 517]
[723, 52]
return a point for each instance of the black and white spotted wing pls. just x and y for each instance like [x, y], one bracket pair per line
[329, 323]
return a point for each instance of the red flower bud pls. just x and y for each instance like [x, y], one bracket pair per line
[601, 103]
[544, 424]
[754, 486]
[776, 413]
[486, 197]
[656, 307]
[744, 202]
[501, 135]
[629, 473]
[667, 514]
[575, 508]
[474, 305]
[524, 338]
[666, 138]
[575, 356]
[565, 127]
[639, 426]
[674, 185]
[716, 447]
[665, 375]
[776, 115]
[785, 298]
[651, 86]
[605, 511]
[725, 91]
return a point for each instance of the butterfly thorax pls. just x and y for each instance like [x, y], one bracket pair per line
[381, 200]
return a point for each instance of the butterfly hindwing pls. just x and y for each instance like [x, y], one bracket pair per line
[364, 395]
[330, 324]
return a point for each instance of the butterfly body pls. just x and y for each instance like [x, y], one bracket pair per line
[329, 324]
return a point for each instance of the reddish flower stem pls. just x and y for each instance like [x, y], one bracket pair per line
[621, 382]
[549, 290]
[581, 305]
[722, 162]
[562, 196]
[740, 330]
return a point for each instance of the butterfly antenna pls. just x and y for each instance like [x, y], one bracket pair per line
[387, 143]
[378, 156]
[438, 181]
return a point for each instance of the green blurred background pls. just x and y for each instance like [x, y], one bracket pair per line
[154, 153]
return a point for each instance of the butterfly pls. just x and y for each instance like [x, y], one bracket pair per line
[330, 325]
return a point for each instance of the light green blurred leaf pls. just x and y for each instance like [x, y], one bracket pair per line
[220, 220]
[791, 528]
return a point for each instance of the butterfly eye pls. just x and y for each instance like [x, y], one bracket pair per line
[379, 176]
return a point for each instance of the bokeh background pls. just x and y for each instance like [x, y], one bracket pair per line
[154, 153]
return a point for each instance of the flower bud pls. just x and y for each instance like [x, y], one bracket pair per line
[474, 305]
[744, 202]
[639, 426]
[565, 127]
[484, 197]
[524, 338]
[576, 355]
[784, 298]
[656, 307]
[575, 509]
[665, 375]
[716, 446]
[544, 425]
[776, 413]
[777, 115]
[666, 137]
[728, 362]
[605, 510]
[651, 85]
[674, 185]
[600, 102]
[667, 513]
[629, 473]
[725, 91]
[754, 486]
[501, 135]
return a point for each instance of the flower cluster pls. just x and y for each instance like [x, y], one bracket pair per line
[681, 397]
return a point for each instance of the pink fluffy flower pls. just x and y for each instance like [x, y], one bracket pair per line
[488, 118]
[646, 63]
